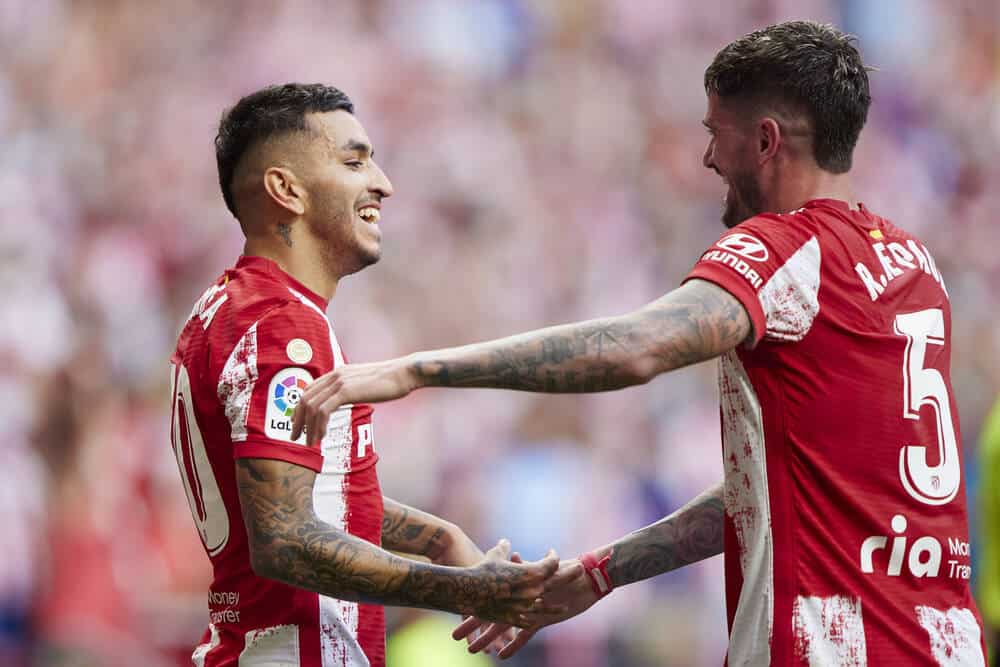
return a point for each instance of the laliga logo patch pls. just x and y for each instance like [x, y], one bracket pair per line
[287, 394]
[745, 246]
[284, 394]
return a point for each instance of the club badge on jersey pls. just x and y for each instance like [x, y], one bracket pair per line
[283, 395]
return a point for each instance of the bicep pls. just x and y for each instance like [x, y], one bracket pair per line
[274, 496]
[695, 322]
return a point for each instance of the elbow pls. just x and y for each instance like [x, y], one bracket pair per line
[265, 565]
[261, 563]
[643, 369]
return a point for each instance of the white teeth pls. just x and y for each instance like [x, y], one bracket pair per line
[370, 214]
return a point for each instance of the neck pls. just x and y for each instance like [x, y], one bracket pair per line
[301, 262]
[795, 186]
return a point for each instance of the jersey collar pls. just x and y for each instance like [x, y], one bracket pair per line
[270, 267]
[838, 204]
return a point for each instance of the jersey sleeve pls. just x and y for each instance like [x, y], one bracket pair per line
[263, 378]
[772, 265]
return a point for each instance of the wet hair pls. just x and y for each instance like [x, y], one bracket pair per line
[268, 113]
[807, 67]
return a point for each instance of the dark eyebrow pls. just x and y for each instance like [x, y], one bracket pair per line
[359, 146]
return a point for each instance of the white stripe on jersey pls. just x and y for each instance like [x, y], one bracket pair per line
[745, 497]
[337, 442]
[829, 631]
[268, 647]
[338, 619]
[338, 355]
[790, 298]
[954, 636]
[236, 383]
[198, 657]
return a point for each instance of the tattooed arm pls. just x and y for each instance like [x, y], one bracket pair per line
[289, 543]
[411, 531]
[691, 534]
[695, 322]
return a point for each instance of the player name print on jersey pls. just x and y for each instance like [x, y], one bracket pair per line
[904, 258]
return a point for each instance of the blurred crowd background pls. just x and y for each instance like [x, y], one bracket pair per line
[547, 162]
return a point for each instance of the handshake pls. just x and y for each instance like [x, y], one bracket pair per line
[568, 588]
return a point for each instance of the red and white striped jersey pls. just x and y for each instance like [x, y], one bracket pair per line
[846, 536]
[255, 339]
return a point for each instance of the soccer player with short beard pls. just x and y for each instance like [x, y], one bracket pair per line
[293, 529]
[842, 512]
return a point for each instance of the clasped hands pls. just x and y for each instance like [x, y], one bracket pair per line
[567, 593]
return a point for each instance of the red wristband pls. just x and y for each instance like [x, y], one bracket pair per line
[597, 573]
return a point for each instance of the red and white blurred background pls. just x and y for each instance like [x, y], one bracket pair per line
[547, 163]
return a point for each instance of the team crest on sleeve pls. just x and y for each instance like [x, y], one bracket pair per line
[299, 351]
[283, 395]
[744, 245]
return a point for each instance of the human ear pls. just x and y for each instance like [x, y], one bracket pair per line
[285, 190]
[769, 139]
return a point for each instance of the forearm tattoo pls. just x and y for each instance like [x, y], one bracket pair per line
[690, 534]
[411, 531]
[693, 323]
[290, 544]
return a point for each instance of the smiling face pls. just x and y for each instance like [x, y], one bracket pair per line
[345, 191]
[731, 153]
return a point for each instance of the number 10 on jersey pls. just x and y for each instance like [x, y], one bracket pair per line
[200, 485]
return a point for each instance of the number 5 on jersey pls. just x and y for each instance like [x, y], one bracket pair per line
[938, 484]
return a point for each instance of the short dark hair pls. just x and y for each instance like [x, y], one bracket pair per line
[268, 113]
[814, 68]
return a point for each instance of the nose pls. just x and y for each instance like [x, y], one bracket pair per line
[708, 159]
[381, 182]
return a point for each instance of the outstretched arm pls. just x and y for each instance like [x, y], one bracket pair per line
[692, 533]
[695, 322]
[289, 543]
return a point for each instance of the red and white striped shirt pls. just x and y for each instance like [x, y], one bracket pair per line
[846, 532]
[255, 339]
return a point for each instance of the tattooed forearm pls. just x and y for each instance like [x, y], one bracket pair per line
[411, 531]
[290, 544]
[690, 534]
[693, 323]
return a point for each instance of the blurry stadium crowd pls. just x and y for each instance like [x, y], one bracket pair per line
[547, 163]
